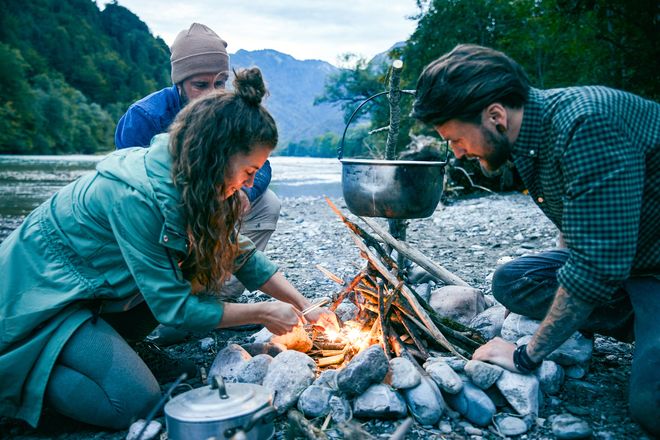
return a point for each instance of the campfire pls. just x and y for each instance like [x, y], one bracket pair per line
[390, 312]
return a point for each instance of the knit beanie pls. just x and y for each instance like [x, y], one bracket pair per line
[198, 50]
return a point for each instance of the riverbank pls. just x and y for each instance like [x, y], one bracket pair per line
[468, 237]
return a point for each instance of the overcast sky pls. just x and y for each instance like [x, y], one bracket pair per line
[304, 29]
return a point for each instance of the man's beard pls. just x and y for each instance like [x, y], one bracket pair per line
[492, 163]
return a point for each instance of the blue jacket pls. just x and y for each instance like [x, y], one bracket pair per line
[152, 115]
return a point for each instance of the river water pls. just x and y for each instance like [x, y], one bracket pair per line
[26, 181]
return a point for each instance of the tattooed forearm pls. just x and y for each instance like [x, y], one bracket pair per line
[565, 316]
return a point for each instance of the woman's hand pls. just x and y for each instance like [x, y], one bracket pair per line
[280, 318]
[324, 318]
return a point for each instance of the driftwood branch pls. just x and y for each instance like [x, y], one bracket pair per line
[415, 256]
[330, 275]
[304, 427]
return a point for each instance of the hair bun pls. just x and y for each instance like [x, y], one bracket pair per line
[249, 85]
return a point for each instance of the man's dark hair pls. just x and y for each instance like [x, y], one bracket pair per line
[461, 83]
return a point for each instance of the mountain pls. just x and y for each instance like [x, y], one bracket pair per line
[293, 85]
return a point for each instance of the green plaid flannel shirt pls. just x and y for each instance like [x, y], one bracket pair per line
[590, 158]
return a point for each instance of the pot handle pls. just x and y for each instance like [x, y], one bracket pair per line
[340, 150]
[264, 415]
[218, 383]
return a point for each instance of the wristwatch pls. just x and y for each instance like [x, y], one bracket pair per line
[522, 361]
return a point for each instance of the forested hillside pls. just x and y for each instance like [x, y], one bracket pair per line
[69, 70]
[559, 43]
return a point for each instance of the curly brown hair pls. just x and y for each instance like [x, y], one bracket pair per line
[203, 138]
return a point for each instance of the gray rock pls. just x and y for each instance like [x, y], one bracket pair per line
[263, 336]
[255, 370]
[228, 362]
[471, 430]
[516, 326]
[482, 374]
[457, 364]
[443, 375]
[567, 426]
[152, 430]
[328, 378]
[521, 391]
[419, 275]
[575, 350]
[550, 376]
[380, 401]
[368, 367]
[489, 322]
[473, 404]
[510, 426]
[268, 348]
[403, 374]
[445, 428]
[207, 343]
[424, 290]
[346, 311]
[315, 401]
[340, 409]
[425, 401]
[459, 303]
[290, 373]
[577, 371]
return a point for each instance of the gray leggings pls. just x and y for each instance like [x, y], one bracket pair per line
[98, 379]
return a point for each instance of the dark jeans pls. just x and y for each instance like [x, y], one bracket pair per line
[98, 378]
[527, 286]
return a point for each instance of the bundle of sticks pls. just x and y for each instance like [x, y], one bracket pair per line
[390, 310]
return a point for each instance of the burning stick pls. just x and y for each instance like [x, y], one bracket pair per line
[330, 360]
[408, 295]
[345, 291]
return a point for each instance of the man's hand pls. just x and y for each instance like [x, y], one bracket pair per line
[245, 202]
[497, 351]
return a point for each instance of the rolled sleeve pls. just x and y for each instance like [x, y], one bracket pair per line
[600, 222]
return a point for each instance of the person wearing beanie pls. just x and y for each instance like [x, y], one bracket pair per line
[199, 64]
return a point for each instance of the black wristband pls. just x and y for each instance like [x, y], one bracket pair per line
[522, 361]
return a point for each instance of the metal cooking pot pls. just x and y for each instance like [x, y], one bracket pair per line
[219, 411]
[397, 189]
[391, 188]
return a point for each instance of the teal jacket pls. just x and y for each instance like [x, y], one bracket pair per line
[111, 238]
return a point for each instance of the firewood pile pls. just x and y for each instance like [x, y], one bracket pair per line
[390, 312]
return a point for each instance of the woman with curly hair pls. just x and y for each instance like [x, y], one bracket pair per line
[145, 239]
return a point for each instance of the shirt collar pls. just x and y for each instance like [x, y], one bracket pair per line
[531, 130]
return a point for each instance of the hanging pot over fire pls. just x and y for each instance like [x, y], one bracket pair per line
[395, 189]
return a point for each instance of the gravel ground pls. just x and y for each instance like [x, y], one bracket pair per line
[467, 237]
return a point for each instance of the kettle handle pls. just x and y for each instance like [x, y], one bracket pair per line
[340, 150]
[218, 383]
[264, 415]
